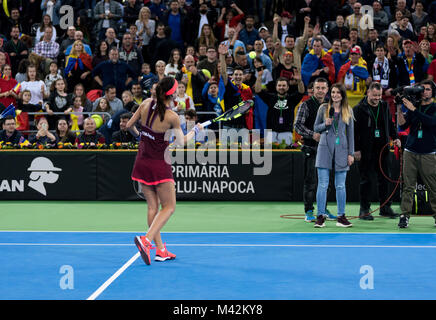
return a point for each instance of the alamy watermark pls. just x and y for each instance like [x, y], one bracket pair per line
[367, 280]
[67, 17]
[66, 282]
[233, 146]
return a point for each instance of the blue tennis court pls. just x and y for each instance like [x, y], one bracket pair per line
[218, 266]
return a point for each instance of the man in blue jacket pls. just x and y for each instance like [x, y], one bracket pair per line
[113, 71]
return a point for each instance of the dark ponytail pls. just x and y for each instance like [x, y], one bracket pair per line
[161, 97]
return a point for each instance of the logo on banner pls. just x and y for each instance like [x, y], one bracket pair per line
[42, 171]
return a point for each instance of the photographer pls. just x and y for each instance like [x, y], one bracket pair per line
[43, 136]
[420, 149]
[372, 131]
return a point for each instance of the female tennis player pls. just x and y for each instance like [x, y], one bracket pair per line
[151, 169]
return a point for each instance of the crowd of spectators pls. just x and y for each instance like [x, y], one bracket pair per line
[221, 52]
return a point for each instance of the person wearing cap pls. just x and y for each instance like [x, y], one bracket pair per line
[285, 28]
[263, 34]
[410, 64]
[353, 75]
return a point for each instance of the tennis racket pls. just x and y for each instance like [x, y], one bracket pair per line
[233, 113]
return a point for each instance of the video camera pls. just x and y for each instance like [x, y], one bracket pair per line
[411, 93]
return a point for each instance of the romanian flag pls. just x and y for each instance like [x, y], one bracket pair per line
[17, 88]
[83, 61]
[221, 91]
[22, 121]
[246, 94]
[311, 63]
[359, 71]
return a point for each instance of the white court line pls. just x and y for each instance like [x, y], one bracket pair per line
[222, 245]
[222, 232]
[113, 277]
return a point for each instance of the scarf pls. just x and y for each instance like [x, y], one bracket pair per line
[380, 72]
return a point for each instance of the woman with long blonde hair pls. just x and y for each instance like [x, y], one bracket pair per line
[146, 27]
[335, 123]
[78, 66]
[206, 38]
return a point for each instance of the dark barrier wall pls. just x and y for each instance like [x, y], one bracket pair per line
[105, 175]
[48, 175]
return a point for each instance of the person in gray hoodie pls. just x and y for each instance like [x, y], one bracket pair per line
[335, 123]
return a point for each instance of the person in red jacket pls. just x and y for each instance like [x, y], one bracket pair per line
[231, 20]
[7, 85]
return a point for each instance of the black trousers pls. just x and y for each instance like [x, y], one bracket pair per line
[369, 169]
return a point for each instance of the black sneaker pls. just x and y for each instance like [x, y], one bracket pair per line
[365, 215]
[404, 222]
[320, 222]
[388, 213]
[343, 222]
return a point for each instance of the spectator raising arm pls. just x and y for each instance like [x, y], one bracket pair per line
[223, 50]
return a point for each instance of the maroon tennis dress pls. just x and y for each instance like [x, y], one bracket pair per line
[150, 167]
